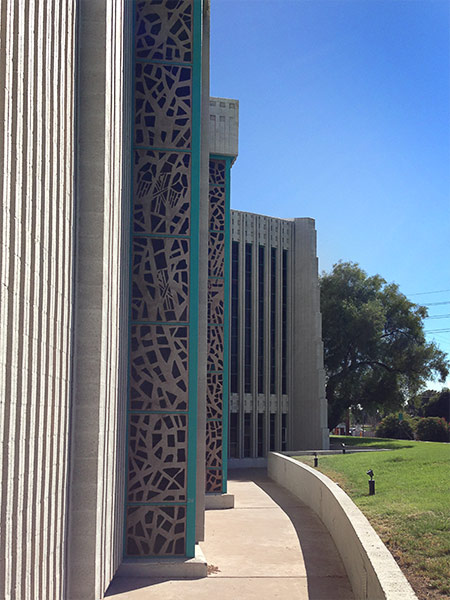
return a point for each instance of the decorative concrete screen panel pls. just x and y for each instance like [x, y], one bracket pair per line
[162, 192]
[217, 357]
[160, 512]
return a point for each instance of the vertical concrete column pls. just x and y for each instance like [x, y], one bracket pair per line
[37, 60]
[203, 280]
[100, 335]
[307, 402]
[278, 334]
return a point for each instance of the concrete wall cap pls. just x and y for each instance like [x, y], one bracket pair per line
[364, 555]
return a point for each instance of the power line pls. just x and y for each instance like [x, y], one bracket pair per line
[436, 303]
[447, 316]
[436, 330]
[423, 293]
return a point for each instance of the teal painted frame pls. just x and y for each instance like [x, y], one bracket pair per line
[195, 150]
[226, 351]
[132, 8]
[197, 28]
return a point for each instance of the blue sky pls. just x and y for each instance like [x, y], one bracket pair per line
[345, 117]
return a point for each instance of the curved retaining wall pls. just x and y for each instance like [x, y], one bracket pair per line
[371, 569]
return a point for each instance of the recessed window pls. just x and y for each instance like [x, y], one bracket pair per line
[247, 435]
[260, 433]
[284, 325]
[234, 337]
[234, 435]
[272, 431]
[283, 432]
[248, 321]
[273, 300]
[261, 304]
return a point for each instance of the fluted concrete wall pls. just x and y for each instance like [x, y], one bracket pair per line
[101, 299]
[37, 61]
[309, 407]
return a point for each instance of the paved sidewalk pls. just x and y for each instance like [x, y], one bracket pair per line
[270, 546]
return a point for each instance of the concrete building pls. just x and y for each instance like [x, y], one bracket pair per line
[115, 286]
[277, 399]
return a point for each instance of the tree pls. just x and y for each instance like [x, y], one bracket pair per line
[439, 405]
[416, 404]
[375, 351]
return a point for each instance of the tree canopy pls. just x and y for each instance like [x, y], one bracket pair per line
[375, 351]
[438, 405]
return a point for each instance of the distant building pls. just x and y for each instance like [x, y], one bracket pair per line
[276, 359]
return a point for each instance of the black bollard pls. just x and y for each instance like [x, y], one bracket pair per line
[316, 460]
[371, 483]
[343, 448]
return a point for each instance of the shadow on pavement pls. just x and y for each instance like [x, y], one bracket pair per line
[322, 561]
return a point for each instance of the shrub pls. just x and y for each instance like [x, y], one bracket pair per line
[392, 427]
[432, 429]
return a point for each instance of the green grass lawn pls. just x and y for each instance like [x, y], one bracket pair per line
[411, 507]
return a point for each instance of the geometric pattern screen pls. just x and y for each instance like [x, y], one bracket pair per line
[216, 326]
[158, 405]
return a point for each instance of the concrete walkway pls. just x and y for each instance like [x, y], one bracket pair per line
[270, 546]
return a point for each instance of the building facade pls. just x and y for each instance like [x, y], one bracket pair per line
[117, 296]
[277, 397]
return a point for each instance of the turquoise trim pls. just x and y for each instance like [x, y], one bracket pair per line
[222, 157]
[158, 412]
[158, 61]
[158, 149]
[181, 236]
[130, 281]
[227, 327]
[194, 278]
[180, 324]
[157, 503]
